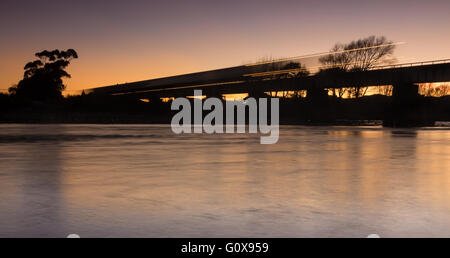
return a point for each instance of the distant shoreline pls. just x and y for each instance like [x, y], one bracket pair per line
[130, 121]
[366, 111]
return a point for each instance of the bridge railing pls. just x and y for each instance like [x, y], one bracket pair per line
[314, 70]
[415, 64]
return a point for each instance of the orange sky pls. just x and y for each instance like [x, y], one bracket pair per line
[121, 41]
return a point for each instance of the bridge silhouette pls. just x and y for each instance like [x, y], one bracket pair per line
[255, 79]
[405, 107]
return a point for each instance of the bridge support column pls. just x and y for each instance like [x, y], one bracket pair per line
[318, 106]
[257, 93]
[405, 109]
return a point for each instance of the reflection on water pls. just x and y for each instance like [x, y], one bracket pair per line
[144, 181]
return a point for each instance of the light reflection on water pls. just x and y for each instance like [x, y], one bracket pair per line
[144, 181]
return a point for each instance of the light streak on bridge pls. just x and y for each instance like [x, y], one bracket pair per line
[324, 54]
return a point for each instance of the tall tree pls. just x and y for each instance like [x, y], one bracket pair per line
[359, 55]
[43, 78]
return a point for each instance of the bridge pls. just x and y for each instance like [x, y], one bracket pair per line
[256, 79]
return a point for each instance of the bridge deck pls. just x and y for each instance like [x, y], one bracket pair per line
[237, 80]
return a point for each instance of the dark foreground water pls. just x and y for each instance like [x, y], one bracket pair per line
[144, 181]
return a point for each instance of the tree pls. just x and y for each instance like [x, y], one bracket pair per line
[386, 90]
[359, 55]
[433, 90]
[42, 79]
[298, 70]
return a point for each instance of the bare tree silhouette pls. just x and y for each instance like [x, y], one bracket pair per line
[298, 70]
[359, 55]
[430, 90]
[385, 90]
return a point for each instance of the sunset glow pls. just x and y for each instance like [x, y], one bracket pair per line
[120, 42]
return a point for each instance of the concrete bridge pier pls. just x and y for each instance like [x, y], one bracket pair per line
[211, 92]
[318, 106]
[257, 93]
[405, 109]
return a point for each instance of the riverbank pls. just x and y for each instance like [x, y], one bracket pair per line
[91, 109]
[124, 118]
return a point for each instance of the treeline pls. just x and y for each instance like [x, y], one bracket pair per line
[331, 110]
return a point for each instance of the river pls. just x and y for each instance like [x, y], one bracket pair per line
[145, 181]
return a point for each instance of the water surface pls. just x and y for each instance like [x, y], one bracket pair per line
[144, 181]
